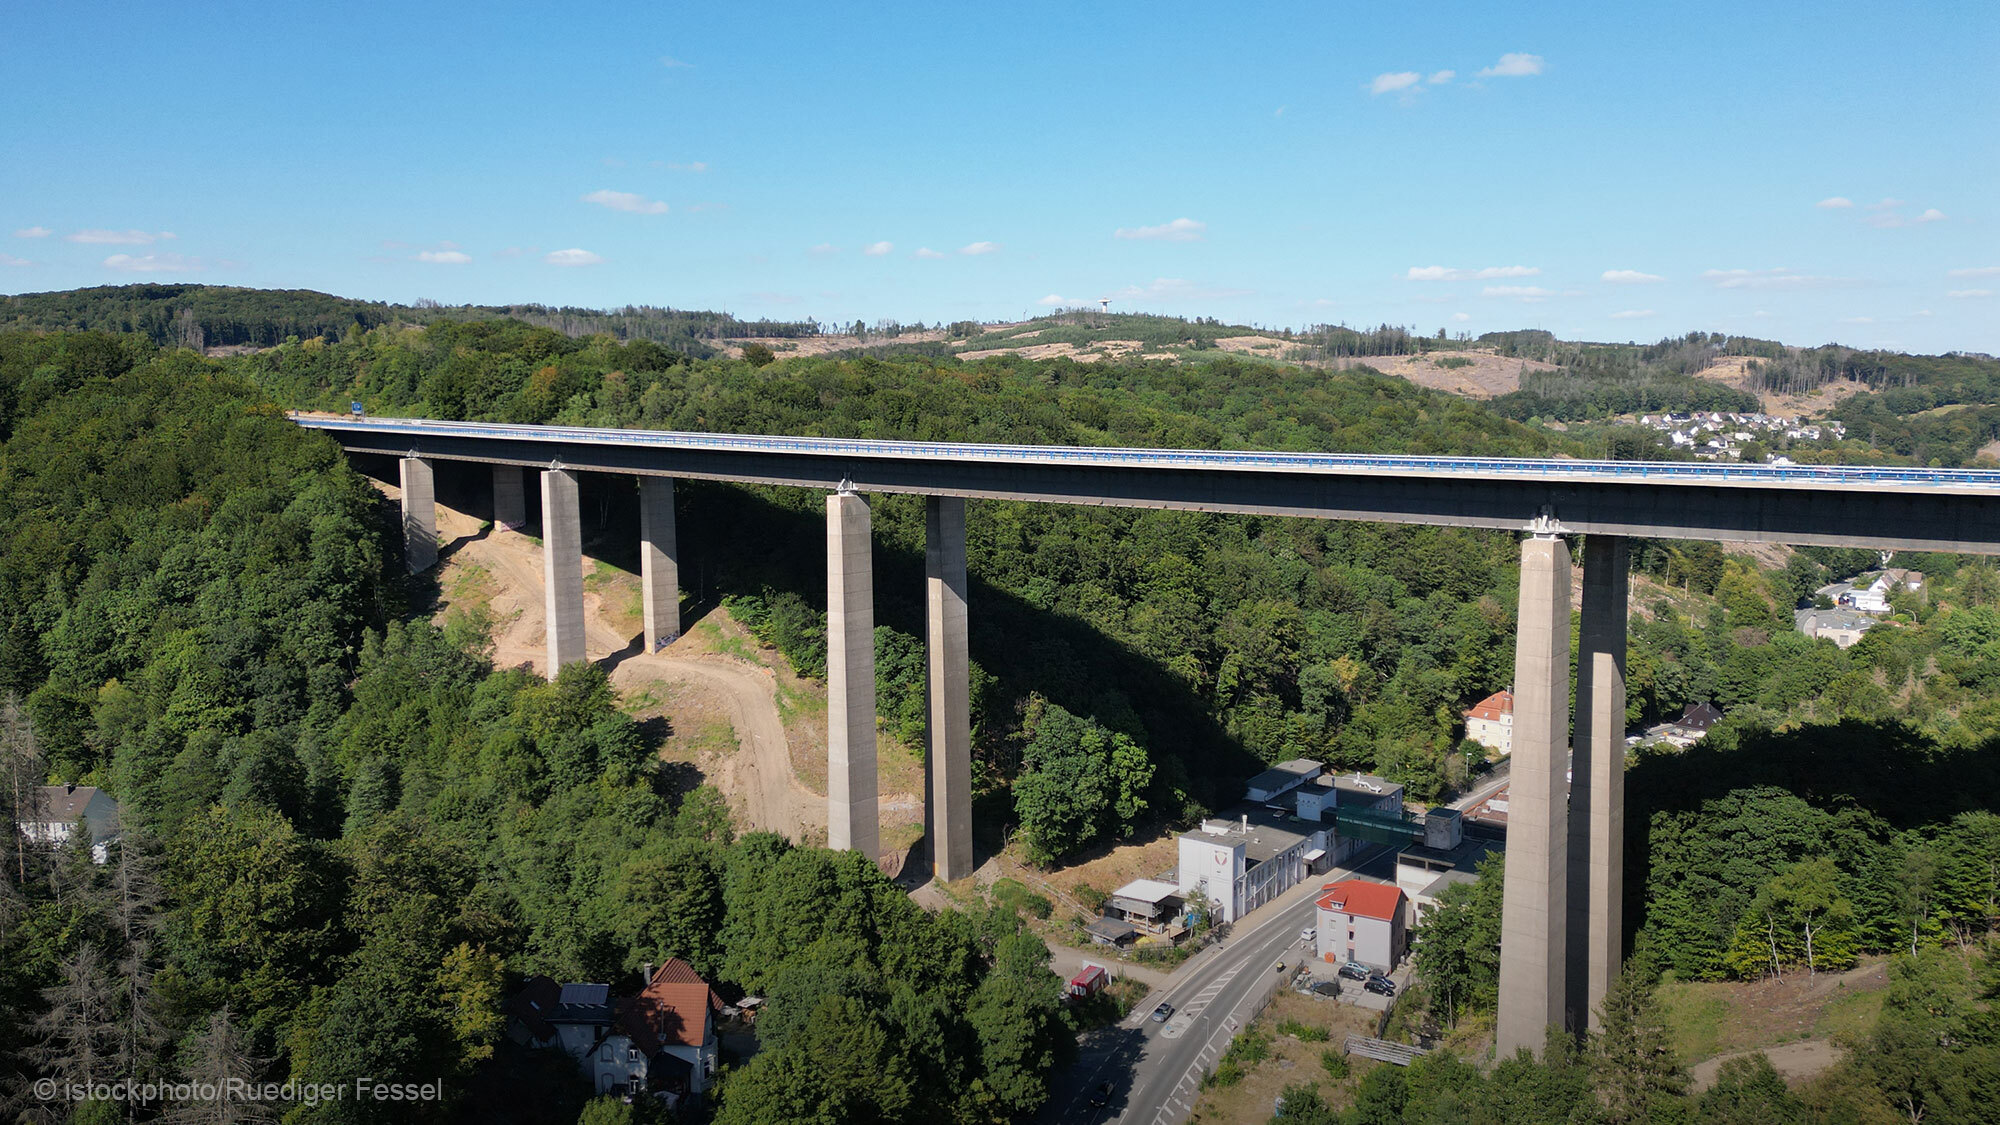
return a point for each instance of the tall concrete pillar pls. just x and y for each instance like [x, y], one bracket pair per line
[420, 537]
[852, 821]
[1597, 784]
[562, 569]
[510, 498]
[1533, 915]
[948, 691]
[659, 562]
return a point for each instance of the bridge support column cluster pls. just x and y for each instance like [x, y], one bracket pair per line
[420, 540]
[659, 562]
[562, 569]
[1561, 919]
[948, 688]
[510, 499]
[853, 820]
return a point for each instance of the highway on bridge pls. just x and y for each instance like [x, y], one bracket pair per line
[1885, 507]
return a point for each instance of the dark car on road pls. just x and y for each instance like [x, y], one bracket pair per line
[1382, 985]
[1161, 1013]
[1355, 970]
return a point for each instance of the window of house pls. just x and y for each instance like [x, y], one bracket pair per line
[631, 1054]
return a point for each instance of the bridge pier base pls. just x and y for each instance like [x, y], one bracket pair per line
[853, 819]
[562, 570]
[1597, 785]
[510, 499]
[420, 540]
[1533, 915]
[947, 688]
[659, 562]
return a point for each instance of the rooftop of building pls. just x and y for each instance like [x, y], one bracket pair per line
[1285, 774]
[1271, 832]
[1455, 875]
[1362, 899]
[63, 803]
[1499, 705]
[1464, 857]
[1365, 783]
[1834, 618]
[1148, 891]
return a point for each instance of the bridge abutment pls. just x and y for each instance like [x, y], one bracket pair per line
[1533, 914]
[853, 819]
[562, 569]
[947, 688]
[659, 562]
[420, 540]
[510, 498]
[1597, 786]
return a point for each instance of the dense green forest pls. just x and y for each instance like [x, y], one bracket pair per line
[211, 316]
[345, 837]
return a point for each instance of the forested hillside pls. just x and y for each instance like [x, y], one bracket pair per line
[345, 838]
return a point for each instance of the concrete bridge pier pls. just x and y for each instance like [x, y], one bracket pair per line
[1597, 785]
[562, 569]
[659, 562]
[947, 690]
[853, 819]
[1533, 914]
[510, 498]
[420, 539]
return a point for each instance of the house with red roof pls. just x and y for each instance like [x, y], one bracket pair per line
[1363, 921]
[1491, 722]
[661, 1042]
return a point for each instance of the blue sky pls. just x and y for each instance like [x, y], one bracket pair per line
[1608, 172]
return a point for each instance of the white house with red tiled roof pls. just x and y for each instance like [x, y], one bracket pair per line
[1491, 722]
[1363, 921]
[661, 1041]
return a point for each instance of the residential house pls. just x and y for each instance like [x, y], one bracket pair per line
[1842, 626]
[1363, 921]
[661, 1042]
[1491, 722]
[55, 811]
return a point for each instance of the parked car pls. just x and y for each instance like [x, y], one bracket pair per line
[1307, 935]
[1327, 988]
[1382, 985]
[1355, 970]
[1161, 1013]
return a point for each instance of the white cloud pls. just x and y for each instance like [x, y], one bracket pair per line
[979, 248]
[1389, 83]
[1440, 77]
[927, 252]
[1975, 271]
[1460, 318]
[152, 263]
[572, 257]
[1930, 215]
[672, 63]
[1835, 202]
[1632, 314]
[11, 260]
[33, 232]
[1054, 301]
[1779, 278]
[1968, 294]
[626, 201]
[1514, 65]
[1448, 273]
[1180, 230]
[118, 237]
[691, 166]
[877, 249]
[1175, 289]
[1280, 112]
[1518, 292]
[1630, 277]
[443, 257]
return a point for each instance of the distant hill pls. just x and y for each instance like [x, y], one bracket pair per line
[211, 317]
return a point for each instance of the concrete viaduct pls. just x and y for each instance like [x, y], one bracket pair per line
[1561, 930]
